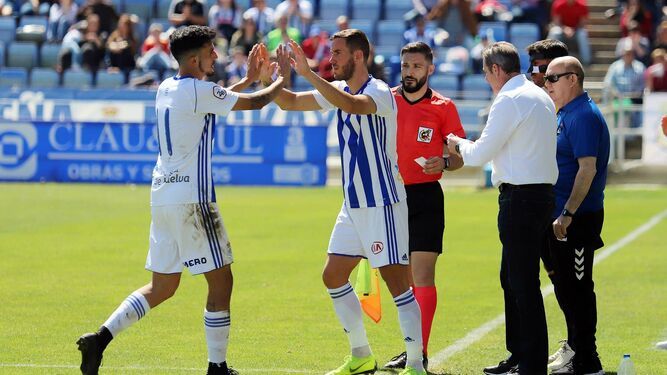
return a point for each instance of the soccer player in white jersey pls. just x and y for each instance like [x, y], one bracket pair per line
[186, 226]
[373, 220]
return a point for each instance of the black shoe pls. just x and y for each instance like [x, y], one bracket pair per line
[91, 353]
[400, 360]
[589, 365]
[220, 369]
[503, 367]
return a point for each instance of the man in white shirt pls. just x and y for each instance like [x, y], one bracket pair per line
[520, 140]
[373, 220]
[186, 226]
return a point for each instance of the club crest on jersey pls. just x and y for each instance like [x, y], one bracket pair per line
[377, 247]
[424, 134]
[219, 92]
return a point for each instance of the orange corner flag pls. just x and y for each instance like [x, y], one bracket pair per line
[367, 288]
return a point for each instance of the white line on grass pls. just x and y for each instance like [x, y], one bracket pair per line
[478, 333]
[160, 369]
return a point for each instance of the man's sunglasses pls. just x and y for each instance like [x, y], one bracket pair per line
[553, 78]
[534, 69]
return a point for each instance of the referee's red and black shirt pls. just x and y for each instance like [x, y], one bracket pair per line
[423, 126]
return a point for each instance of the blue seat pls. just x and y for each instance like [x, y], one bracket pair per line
[13, 77]
[524, 34]
[22, 54]
[2, 54]
[327, 25]
[7, 29]
[387, 51]
[142, 8]
[524, 59]
[498, 30]
[367, 26]
[366, 9]
[109, 80]
[163, 8]
[32, 29]
[77, 80]
[470, 120]
[396, 9]
[390, 33]
[330, 9]
[48, 55]
[44, 78]
[444, 82]
[475, 87]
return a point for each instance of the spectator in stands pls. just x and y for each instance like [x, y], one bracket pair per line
[640, 44]
[35, 7]
[186, 13]
[533, 11]
[262, 15]
[155, 50]
[247, 36]
[281, 34]
[122, 45]
[317, 49]
[490, 11]
[457, 18]
[299, 14]
[106, 12]
[635, 11]
[419, 33]
[656, 74]
[625, 77]
[83, 46]
[476, 54]
[237, 67]
[569, 18]
[225, 17]
[425, 7]
[661, 36]
[62, 16]
[343, 23]
[375, 65]
[6, 8]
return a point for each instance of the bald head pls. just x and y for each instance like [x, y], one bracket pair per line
[570, 64]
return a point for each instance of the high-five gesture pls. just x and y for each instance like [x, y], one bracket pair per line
[299, 62]
[268, 68]
[284, 65]
[255, 62]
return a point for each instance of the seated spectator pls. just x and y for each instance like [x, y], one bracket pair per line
[661, 36]
[490, 11]
[317, 49]
[635, 11]
[247, 36]
[83, 46]
[262, 15]
[640, 44]
[35, 8]
[375, 65]
[419, 33]
[62, 15]
[457, 60]
[343, 23]
[106, 12]
[122, 46]
[225, 17]
[282, 34]
[155, 50]
[6, 8]
[656, 74]
[299, 14]
[625, 77]
[457, 18]
[186, 13]
[476, 54]
[569, 18]
[237, 67]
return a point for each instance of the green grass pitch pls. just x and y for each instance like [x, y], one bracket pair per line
[71, 253]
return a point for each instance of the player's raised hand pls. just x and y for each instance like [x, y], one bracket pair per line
[255, 61]
[285, 69]
[299, 62]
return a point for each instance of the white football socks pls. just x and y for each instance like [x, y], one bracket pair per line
[216, 324]
[348, 309]
[409, 318]
[133, 308]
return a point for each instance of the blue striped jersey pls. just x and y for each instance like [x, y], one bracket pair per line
[368, 148]
[185, 111]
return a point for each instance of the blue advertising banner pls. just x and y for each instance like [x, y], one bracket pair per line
[126, 153]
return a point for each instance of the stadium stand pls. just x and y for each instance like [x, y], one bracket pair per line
[22, 54]
[44, 78]
[77, 80]
[48, 55]
[13, 77]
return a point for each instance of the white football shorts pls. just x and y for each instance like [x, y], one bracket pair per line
[187, 235]
[379, 234]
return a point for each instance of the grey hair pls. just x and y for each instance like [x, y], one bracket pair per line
[503, 54]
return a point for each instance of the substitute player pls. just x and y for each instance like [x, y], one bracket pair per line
[372, 222]
[425, 118]
[186, 226]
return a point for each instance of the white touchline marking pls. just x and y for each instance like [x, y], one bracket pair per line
[478, 333]
[146, 368]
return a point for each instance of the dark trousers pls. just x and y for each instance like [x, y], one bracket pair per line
[573, 281]
[524, 217]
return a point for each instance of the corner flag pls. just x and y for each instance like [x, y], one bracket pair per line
[367, 288]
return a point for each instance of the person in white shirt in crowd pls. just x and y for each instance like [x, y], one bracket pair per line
[299, 14]
[263, 16]
[520, 140]
[62, 15]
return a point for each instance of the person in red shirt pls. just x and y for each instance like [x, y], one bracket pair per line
[425, 118]
[569, 18]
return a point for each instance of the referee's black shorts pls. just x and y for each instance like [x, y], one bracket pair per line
[426, 216]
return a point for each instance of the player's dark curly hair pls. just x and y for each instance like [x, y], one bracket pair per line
[186, 40]
[547, 49]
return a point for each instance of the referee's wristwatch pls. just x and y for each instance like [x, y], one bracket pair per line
[458, 148]
[446, 160]
[567, 213]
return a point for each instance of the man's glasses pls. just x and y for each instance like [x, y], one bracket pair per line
[534, 69]
[553, 78]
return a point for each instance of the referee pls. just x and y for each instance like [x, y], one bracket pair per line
[520, 139]
[425, 118]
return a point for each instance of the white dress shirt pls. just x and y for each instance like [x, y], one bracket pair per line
[519, 137]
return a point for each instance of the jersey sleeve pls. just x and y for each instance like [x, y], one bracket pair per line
[212, 98]
[451, 122]
[584, 135]
[322, 101]
[383, 97]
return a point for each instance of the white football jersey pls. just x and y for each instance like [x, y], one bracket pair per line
[368, 148]
[185, 112]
